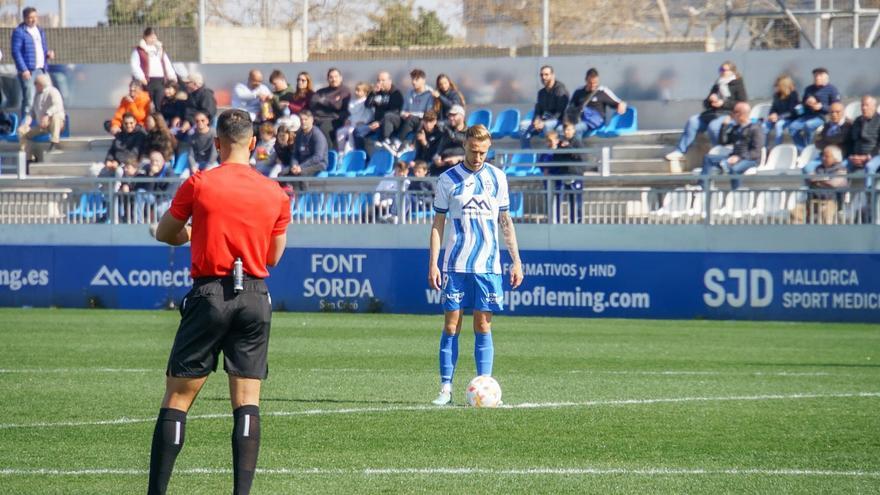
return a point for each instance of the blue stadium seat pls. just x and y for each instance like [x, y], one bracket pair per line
[523, 165]
[481, 116]
[12, 135]
[353, 162]
[516, 204]
[380, 165]
[526, 120]
[91, 207]
[506, 124]
[407, 156]
[348, 206]
[181, 162]
[44, 138]
[621, 125]
[332, 163]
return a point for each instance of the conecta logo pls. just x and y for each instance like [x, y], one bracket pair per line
[112, 277]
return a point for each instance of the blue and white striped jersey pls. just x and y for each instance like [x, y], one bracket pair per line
[471, 202]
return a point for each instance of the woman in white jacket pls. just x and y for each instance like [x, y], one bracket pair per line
[151, 66]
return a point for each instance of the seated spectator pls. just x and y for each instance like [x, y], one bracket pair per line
[818, 98]
[302, 97]
[46, 115]
[309, 149]
[264, 157]
[747, 139]
[359, 117]
[421, 192]
[151, 67]
[385, 197]
[450, 150]
[284, 138]
[783, 109]
[837, 131]
[727, 91]
[151, 197]
[330, 105]
[385, 101]
[589, 104]
[173, 107]
[418, 100]
[567, 191]
[282, 93]
[159, 137]
[549, 109]
[446, 95]
[202, 150]
[200, 99]
[428, 138]
[136, 103]
[130, 141]
[824, 185]
[865, 136]
[253, 97]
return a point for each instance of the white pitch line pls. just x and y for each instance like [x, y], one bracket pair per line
[534, 471]
[701, 373]
[525, 405]
[76, 370]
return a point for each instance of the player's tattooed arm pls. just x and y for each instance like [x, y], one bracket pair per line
[509, 233]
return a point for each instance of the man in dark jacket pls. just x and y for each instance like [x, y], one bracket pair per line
[837, 131]
[594, 96]
[427, 138]
[330, 106]
[747, 139]
[128, 142]
[450, 150]
[818, 98]
[386, 102]
[309, 148]
[201, 99]
[865, 136]
[550, 107]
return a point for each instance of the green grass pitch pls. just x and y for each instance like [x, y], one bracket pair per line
[591, 406]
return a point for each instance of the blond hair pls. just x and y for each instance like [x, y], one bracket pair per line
[783, 86]
[478, 132]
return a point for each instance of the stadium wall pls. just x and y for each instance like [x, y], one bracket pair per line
[798, 273]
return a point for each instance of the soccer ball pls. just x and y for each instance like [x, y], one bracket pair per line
[483, 391]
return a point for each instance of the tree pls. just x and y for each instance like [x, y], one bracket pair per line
[399, 25]
[152, 12]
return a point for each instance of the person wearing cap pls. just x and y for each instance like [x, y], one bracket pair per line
[450, 151]
[239, 228]
[818, 98]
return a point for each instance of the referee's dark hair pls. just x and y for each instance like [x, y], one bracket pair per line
[235, 126]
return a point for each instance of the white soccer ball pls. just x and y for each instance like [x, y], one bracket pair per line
[483, 391]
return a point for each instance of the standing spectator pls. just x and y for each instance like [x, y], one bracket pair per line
[386, 101]
[446, 95]
[727, 91]
[136, 102]
[418, 101]
[46, 117]
[428, 139]
[450, 150]
[818, 98]
[329, 105]
[252, 96]
[202, 149]
[590, 104]
[303, 94]
[359, 117]
[570, 140]
[159, 137]
[309, 149]
[550, 107]
[837, 131]
[128, 142]
[31, 54]
[747, 139]
[151, 66]
[263, 156]
[865, 136]
[783, 109]
[173, 108]
[200, 100]
[151, 199]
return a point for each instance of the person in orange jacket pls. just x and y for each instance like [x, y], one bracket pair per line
[136, 102]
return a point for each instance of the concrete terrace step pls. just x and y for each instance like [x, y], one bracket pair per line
[640, 166]
[639, 152]
[77, 156]
[61, 169]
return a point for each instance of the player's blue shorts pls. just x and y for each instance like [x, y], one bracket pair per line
[480, 291]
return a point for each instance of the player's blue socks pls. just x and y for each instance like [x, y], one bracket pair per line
[448, 356]
[484, 352]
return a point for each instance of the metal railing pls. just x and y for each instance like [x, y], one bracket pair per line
[612, 200]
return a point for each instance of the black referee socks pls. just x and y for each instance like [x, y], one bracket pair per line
[167, 441]
[245, 447]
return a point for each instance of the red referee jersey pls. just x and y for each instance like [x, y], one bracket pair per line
[236, 212]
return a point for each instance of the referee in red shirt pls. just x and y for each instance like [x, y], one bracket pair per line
[237, 213]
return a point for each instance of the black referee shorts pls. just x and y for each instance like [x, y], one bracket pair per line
[215, 318]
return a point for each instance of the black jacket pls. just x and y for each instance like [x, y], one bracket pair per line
[310, 151]
[737, 94]
[127, 144]
[836, 134]
[331, 103]
[747, 140]
[785, 108]
[426, 153]
[601, 101]
[552, 102]
[866, 136]
[383, 102]
[200, 100]
[447, 100]
[451, 142]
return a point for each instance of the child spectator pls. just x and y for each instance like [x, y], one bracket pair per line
[173, 106]
[264, 157]
[421, 191]
[427, 138]
[359, 116]
[202, 153]
[384, 199]
[284, 147]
